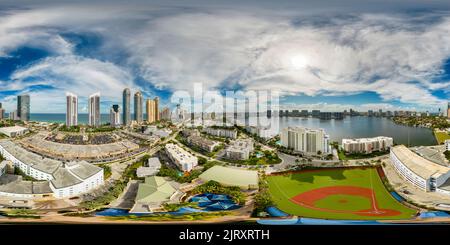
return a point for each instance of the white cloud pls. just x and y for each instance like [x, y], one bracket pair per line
[82, 76]
[174, 49]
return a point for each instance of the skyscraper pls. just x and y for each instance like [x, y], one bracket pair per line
[138, 106]
[94, 109]
[448, 110]
[150, 109]
[23, 107]
[114, 116]
[165, 114]
[2, 112]
[157, 109]
[71, 110]
[126, 106]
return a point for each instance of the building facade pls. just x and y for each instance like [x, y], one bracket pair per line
[201, 142]
[183, 159]
[94, 110]
[114, 116]
[150, 109]
[64, 179]
[23, 107]
[71, 110]
[138, 103]
[422, 173]
[221, 132]
[165, 114]
[240, 149]
[305, 140]
[157, 116]
[126, 106]
[367, 145]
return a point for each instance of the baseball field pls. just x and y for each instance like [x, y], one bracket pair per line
[356, 194]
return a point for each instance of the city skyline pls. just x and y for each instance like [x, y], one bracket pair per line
[327, 65]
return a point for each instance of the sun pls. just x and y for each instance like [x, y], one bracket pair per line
[299, 62]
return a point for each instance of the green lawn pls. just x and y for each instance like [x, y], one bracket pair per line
[284, 187]
[441, 136]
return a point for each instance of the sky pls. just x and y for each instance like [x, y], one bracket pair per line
[327, 55]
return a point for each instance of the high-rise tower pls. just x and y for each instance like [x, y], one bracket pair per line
[138, 104]
[71, 110]
[94, 109]
[126, 106]
[114, 116]
[23, 107]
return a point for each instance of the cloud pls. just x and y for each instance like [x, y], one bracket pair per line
[379, 53]
[398, 56]
[80, 75]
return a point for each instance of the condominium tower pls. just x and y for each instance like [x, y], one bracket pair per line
[448, 110]
[138, 103]
[23, 107]
[2, 112]
[114, 116]
[71, 110]
[126, 106]
[305, 140]
[94, 109]
[150, 109]
[157, 118]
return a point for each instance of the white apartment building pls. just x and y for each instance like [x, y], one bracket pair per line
[447, 145]
[71, 109]
[261, 132]
[305, 140]
[183, 159]
[13, 131]
[422, 173]
[94, 109]
[367, 145]
[240, 149]
[64, 179]
[203, 143]
[222, 132]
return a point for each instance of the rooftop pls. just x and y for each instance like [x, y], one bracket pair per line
[231, 176]
[155, 189]
[419, 165]
[13, 129]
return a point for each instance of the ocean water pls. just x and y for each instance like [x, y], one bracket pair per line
[349, 127]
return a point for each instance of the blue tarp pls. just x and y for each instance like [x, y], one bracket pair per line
[310, 221]
[397, 196]
[275, 212]
[433, 214]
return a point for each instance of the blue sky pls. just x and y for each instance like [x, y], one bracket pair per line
[332, 55]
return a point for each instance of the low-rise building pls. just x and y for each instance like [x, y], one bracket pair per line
[447, 145]
[240, 149]
[65, 179]
[203, 143]
[152, 167]
[13, 131]
[424, 174]
[367, 145]
[221, 132]
[183, 159]
[152, 194]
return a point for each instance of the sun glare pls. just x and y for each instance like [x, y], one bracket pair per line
[299, 62]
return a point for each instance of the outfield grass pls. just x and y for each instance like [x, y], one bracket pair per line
[441, 136]
[284, 187]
